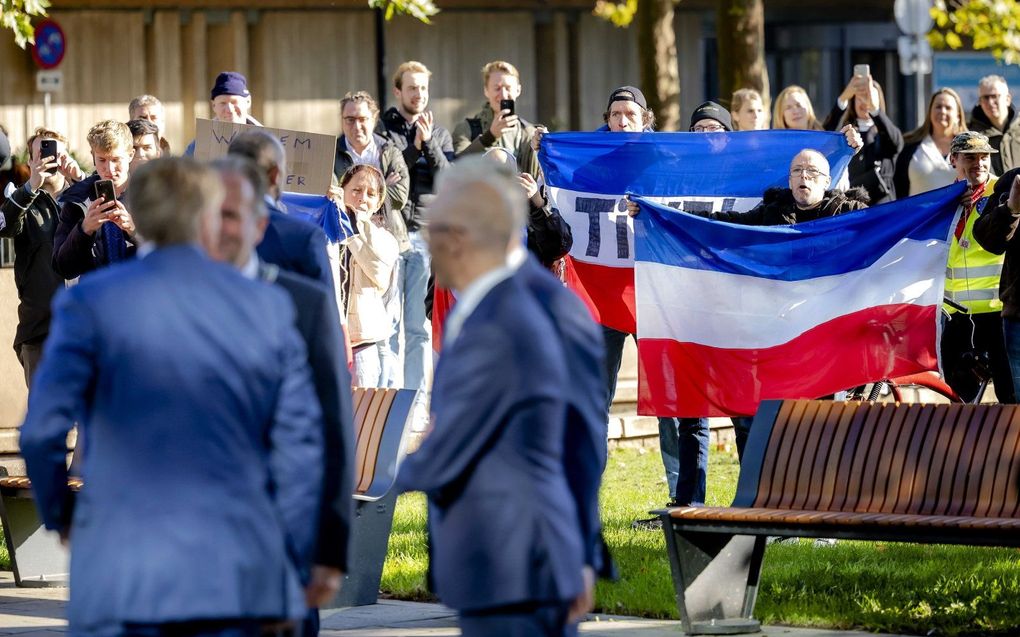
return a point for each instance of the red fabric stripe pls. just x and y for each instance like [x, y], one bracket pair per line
[687, 379]
[442, 303]
[608, 292]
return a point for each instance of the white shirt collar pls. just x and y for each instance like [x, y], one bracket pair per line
[251, 269]
[370, 155]
[516, 258]
[469, 299]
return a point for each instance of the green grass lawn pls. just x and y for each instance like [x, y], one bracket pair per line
[887, 587]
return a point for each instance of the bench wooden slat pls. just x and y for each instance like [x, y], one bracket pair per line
[875, 465]
[809, 454]
[766, 516]
[967, 484]
[852, 420]
[793, 460]
[995, 441]
[365, 458]
[905, 482]
[768, 468]
[1009, 478]
[821, 455]
[378, 424]
[886, 495]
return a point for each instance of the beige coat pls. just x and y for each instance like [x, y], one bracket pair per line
[374, 254]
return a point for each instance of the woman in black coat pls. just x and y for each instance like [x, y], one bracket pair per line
[862, 104]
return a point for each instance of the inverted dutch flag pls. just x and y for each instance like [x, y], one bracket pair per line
[588, 175]
[731, 315]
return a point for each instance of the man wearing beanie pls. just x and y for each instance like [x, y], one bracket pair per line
[231, 102]
[683, 442]
[711, 118]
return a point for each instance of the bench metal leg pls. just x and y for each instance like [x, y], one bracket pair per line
[370, 535]
[716, 579]
[37, 557]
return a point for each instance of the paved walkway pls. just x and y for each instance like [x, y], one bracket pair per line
[39, 612]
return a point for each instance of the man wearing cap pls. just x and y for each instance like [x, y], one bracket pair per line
[231, 102]
[972, 280]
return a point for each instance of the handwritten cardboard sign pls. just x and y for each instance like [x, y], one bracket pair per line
[309, 156]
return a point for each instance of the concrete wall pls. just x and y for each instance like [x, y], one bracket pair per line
[13, 393]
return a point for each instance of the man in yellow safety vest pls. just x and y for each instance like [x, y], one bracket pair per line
[972, 280]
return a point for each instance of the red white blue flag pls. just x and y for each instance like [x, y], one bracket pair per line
[588, 175]
[730, 315]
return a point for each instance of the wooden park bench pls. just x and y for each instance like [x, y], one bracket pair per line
[381, 421]
[939, 474]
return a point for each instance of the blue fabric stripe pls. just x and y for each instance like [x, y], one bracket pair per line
[321, 211]
[824, 247]
[669, 164]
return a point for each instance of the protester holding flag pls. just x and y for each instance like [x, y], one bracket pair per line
[972, 280]
[371, 261]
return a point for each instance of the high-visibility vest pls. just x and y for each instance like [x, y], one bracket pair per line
[972, 273]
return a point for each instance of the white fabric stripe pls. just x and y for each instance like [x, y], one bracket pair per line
[604, 242]
[746, 312]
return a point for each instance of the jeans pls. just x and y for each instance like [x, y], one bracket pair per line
[414, 278]
[741, 430]
[683, 442]
[373, 365]
[1011, 332]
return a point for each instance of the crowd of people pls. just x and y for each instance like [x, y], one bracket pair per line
[372, 295]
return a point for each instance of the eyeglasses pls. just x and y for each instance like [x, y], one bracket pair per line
[990, 97]
[708, 128]
[808, 173]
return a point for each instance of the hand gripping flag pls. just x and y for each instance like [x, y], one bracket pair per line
[588, 175]
[730, 315]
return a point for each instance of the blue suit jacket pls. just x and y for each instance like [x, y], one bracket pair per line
[296, 246]
[318, 322]
[586, 416]
[203, 455]
[503, 521]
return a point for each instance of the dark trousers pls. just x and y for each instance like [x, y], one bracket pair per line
[683, 442]
[29, 354]
[206, 628]
[521, 620]
[985, 331]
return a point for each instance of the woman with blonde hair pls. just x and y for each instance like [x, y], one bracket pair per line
[792, 110]
[747, 110]
[923, 163]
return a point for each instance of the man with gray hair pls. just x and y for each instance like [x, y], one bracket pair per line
[995, 117]
[244, 218]
[292, 244]
[204, 458]
[498, 406]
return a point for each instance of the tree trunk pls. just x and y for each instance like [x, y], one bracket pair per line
[740, 34]
[660, 74]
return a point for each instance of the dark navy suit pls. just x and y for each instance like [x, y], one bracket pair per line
[296, 246]
[503, 520]
[319, 325]
[585, 425]
[203, 463]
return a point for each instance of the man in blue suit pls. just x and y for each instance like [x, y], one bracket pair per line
[294, 245]
[244, 218]
[507, 548]
[585, 435]
[203, 461]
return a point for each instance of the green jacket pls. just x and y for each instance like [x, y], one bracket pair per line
[472, 135]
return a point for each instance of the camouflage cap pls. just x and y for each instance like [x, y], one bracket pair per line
[971, 142]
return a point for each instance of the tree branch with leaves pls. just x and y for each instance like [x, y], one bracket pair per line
[992, 25]
[17, 15]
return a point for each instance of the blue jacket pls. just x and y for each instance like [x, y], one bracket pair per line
[318, 322]
[503, 520]
[585, 435]
[203, 444]
[296, 246]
